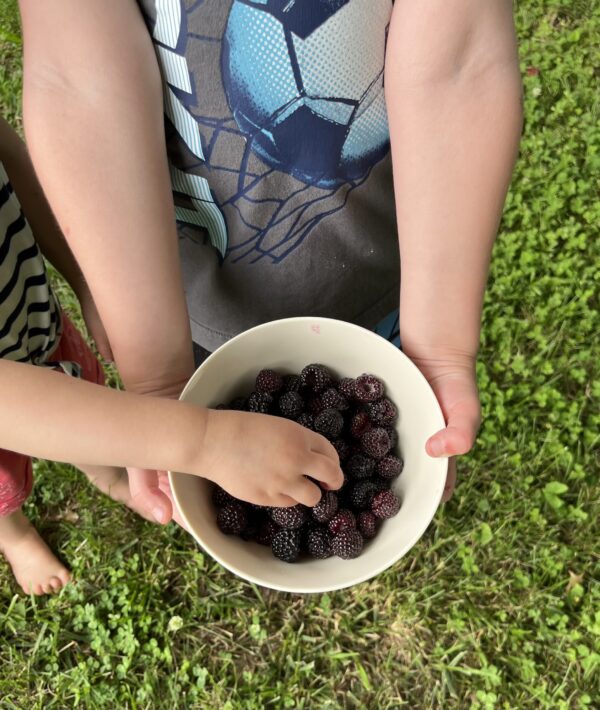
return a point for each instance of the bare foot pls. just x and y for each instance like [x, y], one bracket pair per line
[34, 565]
[114, 482]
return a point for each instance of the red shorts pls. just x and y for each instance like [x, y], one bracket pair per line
[16, 474]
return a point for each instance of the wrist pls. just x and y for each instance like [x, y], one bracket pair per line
[440, 360]
[182, 438]
[433, 333]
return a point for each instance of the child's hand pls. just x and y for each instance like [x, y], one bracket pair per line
[266, 460]
[452, 378]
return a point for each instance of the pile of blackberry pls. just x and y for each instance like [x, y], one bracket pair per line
[358, 419]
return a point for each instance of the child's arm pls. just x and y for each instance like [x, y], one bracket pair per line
[52, 416]
[35, 206]
[454, 102]
[93, 118]
[48, 235]
[94, 125]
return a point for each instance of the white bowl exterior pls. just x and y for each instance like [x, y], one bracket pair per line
[348, 350]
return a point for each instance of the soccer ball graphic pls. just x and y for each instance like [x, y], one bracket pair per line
[304, 81]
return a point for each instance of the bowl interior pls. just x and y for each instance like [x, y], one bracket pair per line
[348, 350]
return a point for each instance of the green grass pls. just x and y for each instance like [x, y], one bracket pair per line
[497, 607]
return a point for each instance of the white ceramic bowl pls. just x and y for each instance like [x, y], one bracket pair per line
[348, 350]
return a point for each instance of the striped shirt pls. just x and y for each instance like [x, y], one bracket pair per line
[30, 321]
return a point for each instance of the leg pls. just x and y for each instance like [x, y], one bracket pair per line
[35, 567]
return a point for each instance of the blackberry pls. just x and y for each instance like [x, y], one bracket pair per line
[362, 493]
[346, 387]
[367, 388]
[382, 412]
[220, 497]
[268, 381]
[359, 424]
[253, 523]
[292, 383]
[314, 405]
[290, 405]
[286, 545]
[376, 442]
[232, 518]
[367, 524]
[221, 407]
[239, 404]
[360, 466]
[348, 544]
[329, 423]
[258, 507]
[385, 504]
[343, 520]
[260, 402]
[355, 448]
[291, 518]
[342, 447]
[390, 467]
[266, 532]
[307, 420]
[326, 508]
[393, 434]
[332, 399]
[318, 543]
[315, 376]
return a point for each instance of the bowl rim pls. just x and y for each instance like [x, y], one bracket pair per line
[371, 573]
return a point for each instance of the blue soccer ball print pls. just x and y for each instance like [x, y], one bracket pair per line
[304, 81]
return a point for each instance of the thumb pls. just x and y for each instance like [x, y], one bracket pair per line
[145, 490]
[459, 435]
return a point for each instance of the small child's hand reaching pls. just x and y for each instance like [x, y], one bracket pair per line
[268, 460]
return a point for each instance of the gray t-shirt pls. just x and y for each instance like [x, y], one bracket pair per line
[278, 143]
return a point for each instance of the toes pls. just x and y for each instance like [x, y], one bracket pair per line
[55, 584]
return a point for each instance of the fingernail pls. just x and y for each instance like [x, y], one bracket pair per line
[436, 448]
[159, 514]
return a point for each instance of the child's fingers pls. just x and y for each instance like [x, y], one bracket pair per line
[320, 445]
[283, 502]
[323, 469]
[305, 492]
[164, 487]
[450, 480]
[144, 488]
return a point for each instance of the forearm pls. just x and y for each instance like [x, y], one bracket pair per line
[59, 418]
[93, 119]
[47, 233]
[455, 122]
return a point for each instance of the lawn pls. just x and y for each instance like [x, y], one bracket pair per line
[498, 606]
